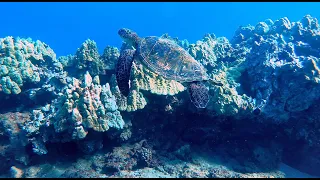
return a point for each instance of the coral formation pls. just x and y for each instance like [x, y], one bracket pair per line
[23, 61]
[222, 62]
[13, 138]
[263, 83]
[86, 105]
[87, 58]
[110, 57]
[133, 102]
[210, 50]
[281, 75]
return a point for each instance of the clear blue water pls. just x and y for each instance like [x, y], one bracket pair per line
[64, 26]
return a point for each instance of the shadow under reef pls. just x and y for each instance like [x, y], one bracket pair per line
[248, 142]
[62, 155]
[170, 139]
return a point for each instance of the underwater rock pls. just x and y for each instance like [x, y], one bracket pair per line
[279, 75]
[281, 26]
[75, 173]
[225, 100]
[183, 43]
[38, 147]
[183, 152]
[129, 157]
[242, 34]
[261, 28]
[210, 50]
[13, 139]
[33, 125]
[81, 169]
[66, 61]
[16, 172]
[222, 62]
[90, 146]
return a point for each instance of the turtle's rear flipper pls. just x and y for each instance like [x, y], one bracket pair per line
[123, 70]
[199, 94]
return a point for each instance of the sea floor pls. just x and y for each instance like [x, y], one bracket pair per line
[293, 173]
[193, 164]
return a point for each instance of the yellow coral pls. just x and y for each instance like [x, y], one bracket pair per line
[133, 102]
[226, 99]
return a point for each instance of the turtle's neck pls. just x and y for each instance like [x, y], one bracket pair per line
[135, 39]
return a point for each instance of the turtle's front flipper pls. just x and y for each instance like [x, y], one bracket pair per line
[123, 70]
[199, 94]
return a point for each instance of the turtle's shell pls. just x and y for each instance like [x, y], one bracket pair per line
[168, 59]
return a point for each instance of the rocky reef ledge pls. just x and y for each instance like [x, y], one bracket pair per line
[65, 116]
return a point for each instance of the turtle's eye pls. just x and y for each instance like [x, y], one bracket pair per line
[123, 32]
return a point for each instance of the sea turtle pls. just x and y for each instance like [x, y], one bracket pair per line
[166, 58]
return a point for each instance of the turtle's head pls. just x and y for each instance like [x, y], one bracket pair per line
[129, 36]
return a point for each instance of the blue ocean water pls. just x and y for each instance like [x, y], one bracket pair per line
[67, 116]
[65, 25]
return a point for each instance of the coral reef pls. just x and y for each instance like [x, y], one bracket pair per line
[280, 74]
[133, 102]
[23, 61]
[128, 158]
[110, 57]
[86, 105]
[65, 117]
[210, 50]
[222, 62]
[87, 58]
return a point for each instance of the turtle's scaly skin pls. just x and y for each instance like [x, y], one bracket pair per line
[199, 94]
[169, 60]
[123, 69]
